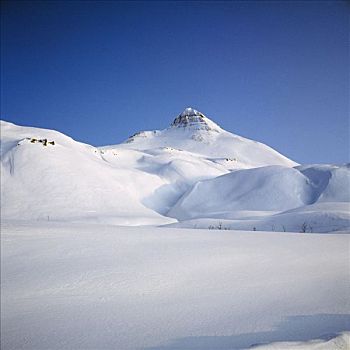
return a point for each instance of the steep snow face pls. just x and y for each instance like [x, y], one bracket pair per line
[192, 131]
[332, 183]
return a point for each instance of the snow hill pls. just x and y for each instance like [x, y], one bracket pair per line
[192, 131]
[192, 174]
[307, 198]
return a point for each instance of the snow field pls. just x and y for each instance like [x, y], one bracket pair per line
[80, 286]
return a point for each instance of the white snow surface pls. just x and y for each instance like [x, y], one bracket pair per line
[339, 342]
[86, 286]
[269, 197]
[191, 174]
[192, 131]
[70, 181]
[93, 257]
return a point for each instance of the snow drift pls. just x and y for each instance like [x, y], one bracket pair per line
[276, 189]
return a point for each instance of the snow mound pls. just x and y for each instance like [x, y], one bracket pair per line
[272, 188]
[313, 198]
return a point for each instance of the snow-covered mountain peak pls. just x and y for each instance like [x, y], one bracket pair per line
[189, 111]
[191, 118]
[193, 132]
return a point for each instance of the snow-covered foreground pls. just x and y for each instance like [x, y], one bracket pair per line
[79, 286]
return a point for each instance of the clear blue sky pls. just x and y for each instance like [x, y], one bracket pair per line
[277, 72]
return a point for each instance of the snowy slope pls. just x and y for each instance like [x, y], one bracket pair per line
[336, 342]
[270, 197]
[319, 217]
[192, 170]
[194, 132]
[77, 286]
[331, 182]
[273, 188]
[69, 181]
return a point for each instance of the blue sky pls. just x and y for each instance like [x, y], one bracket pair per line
[276, 72]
